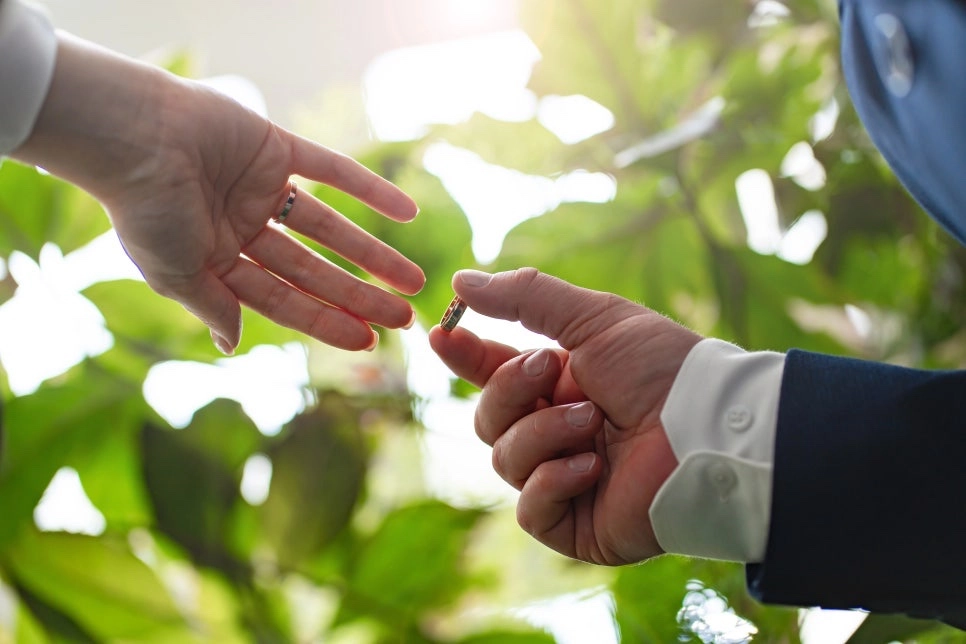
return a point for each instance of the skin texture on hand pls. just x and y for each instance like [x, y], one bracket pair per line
[576, 430]
[191, 179]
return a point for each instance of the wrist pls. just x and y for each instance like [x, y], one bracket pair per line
[101, 120]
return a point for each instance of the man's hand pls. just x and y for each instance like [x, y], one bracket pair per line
[576, 430]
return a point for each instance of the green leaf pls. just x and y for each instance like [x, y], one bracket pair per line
[692, 17]
[22, 624]
[46, 429]
[509, 637]
[147, 324]
[527, 146]
[460, 388]
[193, 477]
[193, 492]
[318, 469]
[97, 582]
[615, 54]
[36, 209]
[44, 617]
[599, 246]
[883, 273]
[638, 250]
[648, 597]
[876, 629]
[110, 470]
[756, 293]
[222, 431]
[156, 328]
[411, 563]
[769, 102]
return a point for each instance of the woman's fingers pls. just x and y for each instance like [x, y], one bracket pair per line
[281, 302]
[311, 273]
[318, 163]
[320, 222]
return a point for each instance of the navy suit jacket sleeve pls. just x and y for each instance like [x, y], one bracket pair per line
[870, 459]
[870, 465]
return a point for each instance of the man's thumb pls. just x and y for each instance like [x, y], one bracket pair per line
[544, 304]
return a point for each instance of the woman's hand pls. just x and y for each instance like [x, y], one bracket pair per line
[191, 180]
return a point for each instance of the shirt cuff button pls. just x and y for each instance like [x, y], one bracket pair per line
[739, 418]
[723, 479]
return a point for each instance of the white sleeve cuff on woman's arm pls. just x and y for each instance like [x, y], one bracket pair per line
[28, 49]
[720, 418]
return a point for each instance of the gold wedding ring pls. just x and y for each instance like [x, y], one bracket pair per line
[453, 314]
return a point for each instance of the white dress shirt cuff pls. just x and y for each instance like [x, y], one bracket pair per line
[720, 418]
[28, 49]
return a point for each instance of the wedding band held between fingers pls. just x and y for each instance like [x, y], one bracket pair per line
[287, 208]
[453, 314]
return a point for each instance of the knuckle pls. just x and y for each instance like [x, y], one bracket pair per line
[323, 228]
[321, 325]
[164, 287]
[525, 521]
[528, 280]
[481, 427]
[498, 459]
[526, 275]
[303, 270]
[356, 297]
[502, 460]
[595, 311]
[276, 296]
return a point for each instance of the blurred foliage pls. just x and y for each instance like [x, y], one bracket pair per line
[333, 556]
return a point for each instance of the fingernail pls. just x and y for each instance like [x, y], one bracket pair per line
[222, 344]
[582, 462]
[411, 322]
[536, 363]
[475, 278]
[375, 343]
[580, 414]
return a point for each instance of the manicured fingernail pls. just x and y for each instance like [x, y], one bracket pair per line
[475, 278]
[536, 363]
[580, 414]
[582, 462]
[222, 344]
[375, 343]
[411, 322]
